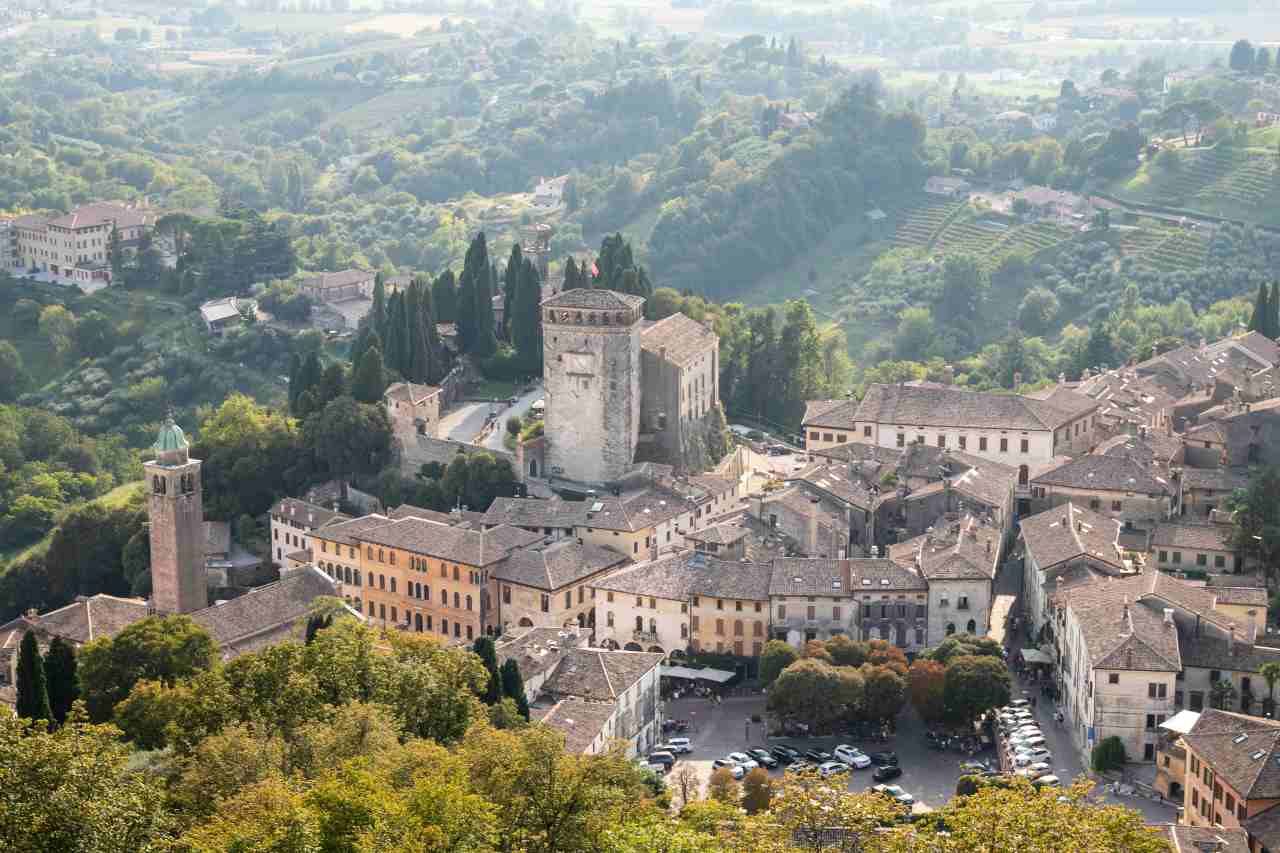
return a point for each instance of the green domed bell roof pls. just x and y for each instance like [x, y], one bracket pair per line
[170, 437]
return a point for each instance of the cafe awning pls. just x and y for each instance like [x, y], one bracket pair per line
[719, 676]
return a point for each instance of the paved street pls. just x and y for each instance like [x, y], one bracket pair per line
[465, 421]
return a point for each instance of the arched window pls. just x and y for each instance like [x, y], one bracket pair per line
[393, 584]
[972, 626]
[1022, 475]
[639, 623]
[417, 622]
[469, 635]
[444, 627]
[951, 628]
[468, 602]
[444, 597]
[456, 599]
[357, 576]
[653, 626]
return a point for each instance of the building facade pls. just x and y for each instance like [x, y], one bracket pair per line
[76, 247]
[179, 580]
[413, 410]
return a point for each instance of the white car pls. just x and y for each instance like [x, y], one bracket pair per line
[1033, 742]
[1049, 781]
[735, 770]
[896, 792]
[746, 762]
[832, 768]
[852, 756]
[1026, 759]
[1020, 703]
[679, 745]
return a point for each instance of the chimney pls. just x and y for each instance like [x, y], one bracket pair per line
[1168, 616]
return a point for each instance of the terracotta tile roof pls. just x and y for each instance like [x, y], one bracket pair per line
[1204, 839]
[599, 675]
[342, 278]
[1215, 479]
[835, 480]
[1120, 630]
[101, 213]
[679, 576]
[580, 722]
[839, 414]
[952, 407]
[595, 298]
[804, 576]
[1207, 652]
[92, 617]
[1243, 596]
[534, 512]
[411, 511]
[1204, 537]
[960, 550]
[678, 339]
[550, 567]
[1118, 473]
[410, 392]
[1067, 532]
[457, 544]
[266, 614]
[349, 532]
[304, 512]
[1249, 764]
[719, 534]
[538, 650]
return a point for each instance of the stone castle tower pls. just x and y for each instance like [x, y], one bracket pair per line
[176, 510]
[591, 370]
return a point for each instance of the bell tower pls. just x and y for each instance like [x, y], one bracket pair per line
[178, 578]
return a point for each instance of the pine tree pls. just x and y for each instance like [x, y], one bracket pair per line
[33, 693]
[445, 297]
[489, 657]
[1261, 305]
[368, 383]
[526, 324]
[513, 686]
[510, 285]
[60, 678]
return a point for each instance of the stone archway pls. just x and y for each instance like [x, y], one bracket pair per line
[657, 649]
[612, 645]
[677, 653]
[971, 627]
[526, 622]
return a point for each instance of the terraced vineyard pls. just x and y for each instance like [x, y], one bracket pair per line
[919, 223]
[1138, 241]
[1034, 237]
[1179, 250]
[976, 236]
[1238, 183]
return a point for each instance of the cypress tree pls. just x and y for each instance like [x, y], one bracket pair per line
[475, 277]
[526, 324]
[60, 678]
[308, 385]
[510, 287]
[489, 657]
[1261, 305]
[570, 275]
[444, 295]
[378, 311]
[295, 367]
[368, 383]
[513, 686]
[33, 693]
[486, 340]
[1273, 314]
[419, 362]
[395, 356]
[437, 365]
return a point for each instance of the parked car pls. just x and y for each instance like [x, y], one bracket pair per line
[799, 766]
[1049, 781]
[884, 758]
[766, 760]
[1026, 759]
[1019, 703]
[661, 756]
[785, 754]
[831, 768]
[1029, 742]
[656, 767]
[679, 745]
[671, 748]
[746, 762]
[734, 769]
[974, 767]
[817, 756]
[896, 792]
[886, 772]
[1034, 771]
[851, 755]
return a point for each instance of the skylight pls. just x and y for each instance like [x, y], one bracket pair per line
[1240, 738]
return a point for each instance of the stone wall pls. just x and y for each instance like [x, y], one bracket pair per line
[592, 376]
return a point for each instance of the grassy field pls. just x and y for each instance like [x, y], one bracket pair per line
[402, 24]
[118, 497]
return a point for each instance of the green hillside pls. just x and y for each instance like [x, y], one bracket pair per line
[1237, 183]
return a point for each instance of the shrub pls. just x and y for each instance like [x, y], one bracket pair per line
[1108, 755]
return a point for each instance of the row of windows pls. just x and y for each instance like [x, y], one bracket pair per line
[1219, 560]
[421, 621]
[721, 648]
[1024, 444]
[739, 629]
[887, 610]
